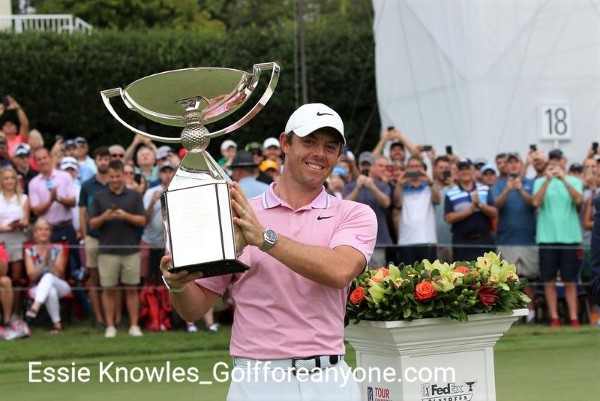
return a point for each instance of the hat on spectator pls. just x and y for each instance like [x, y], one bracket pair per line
[339, 170]
[576, 167]
[22, 149]
[68, 143]
[267, 164]
[489, 167]
[271, 142]
[464, 161]
[555, 154]
[479, 162]
[253, 146]
[80, 139]
[228, 144]
[366, 157]
[243, 159]
[513, 155]
[69, 162]
[167, 165]
[310, 117]
[163, 152]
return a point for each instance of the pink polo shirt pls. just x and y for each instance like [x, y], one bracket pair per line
[39, 193]
[280, 314]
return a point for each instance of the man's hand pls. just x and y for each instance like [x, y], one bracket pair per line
[475, 197]
[177, 281]
[245, 219]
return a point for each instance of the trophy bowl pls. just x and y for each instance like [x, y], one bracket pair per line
[196, 205]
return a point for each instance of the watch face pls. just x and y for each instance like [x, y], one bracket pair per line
[270, 236]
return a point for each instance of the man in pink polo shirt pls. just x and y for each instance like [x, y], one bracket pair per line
[303, 247]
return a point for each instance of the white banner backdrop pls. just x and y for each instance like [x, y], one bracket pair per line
[490, 76]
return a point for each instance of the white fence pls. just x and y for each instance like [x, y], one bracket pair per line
[44, 23]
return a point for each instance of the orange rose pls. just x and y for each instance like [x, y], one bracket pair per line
[424, 291]
[357, 295]
[462, 269]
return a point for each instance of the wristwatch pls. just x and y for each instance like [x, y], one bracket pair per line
[270, 237]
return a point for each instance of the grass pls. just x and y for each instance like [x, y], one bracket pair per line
[532, 363]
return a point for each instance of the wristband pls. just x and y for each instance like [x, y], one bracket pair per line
[171, 289]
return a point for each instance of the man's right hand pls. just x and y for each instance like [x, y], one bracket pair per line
[176, 280]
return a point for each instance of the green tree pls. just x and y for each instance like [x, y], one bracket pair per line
[135, 14]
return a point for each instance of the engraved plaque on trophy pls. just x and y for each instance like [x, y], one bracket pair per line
[196, 206]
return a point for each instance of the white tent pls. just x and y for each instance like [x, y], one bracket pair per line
[490, 76]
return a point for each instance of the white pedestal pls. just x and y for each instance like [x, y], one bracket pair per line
[437, 359]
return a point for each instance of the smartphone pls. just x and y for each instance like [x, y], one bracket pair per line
[365, 172]
[113, 206]
[413, 174]
[448, 150]
[427, 148]
[446, 174]
[595, 146]
[514, 175]
[137, 178]
[533, 147]
[5, 102]
[58, 138]
[391, 127]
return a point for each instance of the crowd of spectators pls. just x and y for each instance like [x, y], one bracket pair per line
[71, 215]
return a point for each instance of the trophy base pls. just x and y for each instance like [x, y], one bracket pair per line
[214, 268]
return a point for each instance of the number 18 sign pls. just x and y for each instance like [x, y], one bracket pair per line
[555, 122]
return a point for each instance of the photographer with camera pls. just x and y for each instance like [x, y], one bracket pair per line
[415, 197]
[370, 189]
[557, 197]
[515, 235]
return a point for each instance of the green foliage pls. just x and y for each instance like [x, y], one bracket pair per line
[58, 78]
[134, 14]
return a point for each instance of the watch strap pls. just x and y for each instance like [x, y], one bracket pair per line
[171, 289]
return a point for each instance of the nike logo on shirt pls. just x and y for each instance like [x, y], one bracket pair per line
[323, 217]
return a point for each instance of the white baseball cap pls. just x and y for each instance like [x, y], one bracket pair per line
[228, 144]
[69, 162]
[312, 116]
[271, 142]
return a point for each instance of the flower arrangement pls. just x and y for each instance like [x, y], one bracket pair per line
[437, 289]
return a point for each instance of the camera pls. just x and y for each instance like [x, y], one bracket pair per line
[448, 150]
[427, 148]
[5, 102]
[413, 174]
[533, 147]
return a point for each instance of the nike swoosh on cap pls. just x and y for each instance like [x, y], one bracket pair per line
[324, 114]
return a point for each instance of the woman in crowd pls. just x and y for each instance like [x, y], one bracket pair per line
[134, 181]
[14, 218]
[45, 263]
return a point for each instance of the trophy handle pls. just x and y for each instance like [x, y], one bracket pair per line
[109, 93]
[261, 103]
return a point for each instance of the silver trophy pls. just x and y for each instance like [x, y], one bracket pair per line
[196, 208]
